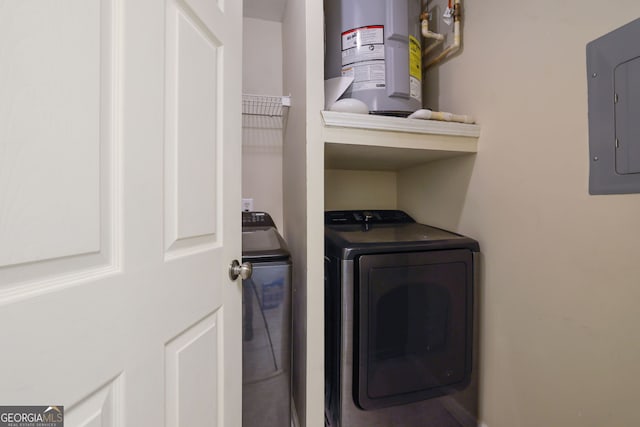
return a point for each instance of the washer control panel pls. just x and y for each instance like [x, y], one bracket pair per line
[257, 219]
[374, 216]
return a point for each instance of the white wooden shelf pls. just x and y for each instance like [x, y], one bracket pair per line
[369, 142]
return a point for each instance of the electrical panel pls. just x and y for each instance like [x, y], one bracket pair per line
[613, 75]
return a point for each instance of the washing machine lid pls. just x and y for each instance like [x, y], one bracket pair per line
[263, 244]
[388, 231]
[260, 238]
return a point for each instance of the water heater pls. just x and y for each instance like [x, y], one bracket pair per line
[377, 42]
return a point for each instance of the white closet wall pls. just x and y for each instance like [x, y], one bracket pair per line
[262, 136]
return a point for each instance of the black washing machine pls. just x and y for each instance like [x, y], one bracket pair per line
[399, 322]
[266, 321]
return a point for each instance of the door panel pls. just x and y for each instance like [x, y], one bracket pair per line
[626, 83]
[119, 201]
[193, 139]
[188, 402]
[104, 408]
[56, 93]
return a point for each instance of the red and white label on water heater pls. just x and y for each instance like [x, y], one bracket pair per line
[363, 57]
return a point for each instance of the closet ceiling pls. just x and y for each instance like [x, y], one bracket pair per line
[270, 10]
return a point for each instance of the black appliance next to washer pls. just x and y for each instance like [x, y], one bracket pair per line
[399, 310]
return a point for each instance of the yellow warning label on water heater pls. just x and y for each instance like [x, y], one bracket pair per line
[415, 64]
[415, 69]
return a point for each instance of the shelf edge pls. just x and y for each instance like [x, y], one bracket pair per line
[333, 119]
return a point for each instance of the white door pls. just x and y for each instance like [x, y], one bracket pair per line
[120, 154]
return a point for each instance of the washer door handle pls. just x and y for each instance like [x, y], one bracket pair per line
[243, 270]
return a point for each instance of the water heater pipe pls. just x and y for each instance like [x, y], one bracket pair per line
[427, 34]
[457, 13]
[441, 116]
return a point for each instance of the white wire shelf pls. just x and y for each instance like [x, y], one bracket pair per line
[264, 111]
[265, 105]
[264, 118]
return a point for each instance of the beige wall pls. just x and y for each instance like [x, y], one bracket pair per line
[561, 271]
[262, 136]
[348, 189]
[262, 57]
